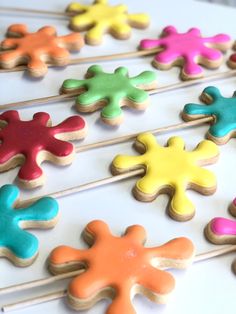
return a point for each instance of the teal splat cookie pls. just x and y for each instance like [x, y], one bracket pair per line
[111, 91]
[17, 245]
[222, 109]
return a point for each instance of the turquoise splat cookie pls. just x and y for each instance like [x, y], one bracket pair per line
[111, 91]
[223, 109]
[19, 246]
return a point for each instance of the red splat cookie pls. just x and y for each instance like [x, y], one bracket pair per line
[29, 143]
[35, 49]
[119, 267]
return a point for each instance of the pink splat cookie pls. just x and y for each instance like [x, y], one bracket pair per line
[222, 230]
[187, 50]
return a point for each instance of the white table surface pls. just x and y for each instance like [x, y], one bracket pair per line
[207, 287]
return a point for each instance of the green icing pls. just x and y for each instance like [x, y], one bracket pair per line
[19, 242]
[111, 87]
[223, 109]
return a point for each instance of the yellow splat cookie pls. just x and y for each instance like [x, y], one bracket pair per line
[170, 170]
[100, 18]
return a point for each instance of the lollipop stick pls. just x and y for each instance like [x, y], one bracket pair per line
[62, 293]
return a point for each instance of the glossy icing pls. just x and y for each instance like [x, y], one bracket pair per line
[100, 18]
[190, 47]
[110, 89]
[170, 167]
[119, 263]
[28, 143]
[34, 49]
[222, 108]
[222, 226]
[20, 243]
[233, 58]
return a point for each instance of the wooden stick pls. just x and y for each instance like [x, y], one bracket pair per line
[123, 55]
[34, 301]
[35, 11]
[62, 293]
[162, 89]
[39, 282]
[83, 187]
[111, 179]
[126, 138]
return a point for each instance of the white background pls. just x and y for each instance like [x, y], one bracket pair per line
[207, 287]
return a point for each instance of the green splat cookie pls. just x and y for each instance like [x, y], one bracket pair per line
[111, 91]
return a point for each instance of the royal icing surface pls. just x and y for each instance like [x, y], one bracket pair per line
[222, 108]
[111, 90]
[34, 49]
[100, 18]
[190, 47]
[13, 239]
[222, 226]
[27, 143]
[120, 263]
[171, 167]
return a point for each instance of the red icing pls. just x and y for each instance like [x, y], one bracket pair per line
[29, 138]
[233, 58]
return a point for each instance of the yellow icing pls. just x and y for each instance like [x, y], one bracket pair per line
[171, 167]
[100, 18]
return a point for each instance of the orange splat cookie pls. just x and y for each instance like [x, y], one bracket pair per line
[35, 49]
[120, 267]
[170, 170]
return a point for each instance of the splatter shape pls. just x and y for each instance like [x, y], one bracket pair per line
[35, 49]
[119, 267]
[111, 91]
[100, 18]
[222, 230]
[170, 170]
[29, 143]
[17, 245]
[222, 109]
[187, 50]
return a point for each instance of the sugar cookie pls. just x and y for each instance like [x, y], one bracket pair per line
[120, 267]
[35, 49]
[221, 108]
[100, 18]
[232, 208]
[170, 170]
[232, 59]
[19, 246]
[221, 231]
[29, 143]
[111, 91]
[187, 50]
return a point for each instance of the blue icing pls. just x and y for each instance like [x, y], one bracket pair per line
[21, 243]
[223, 109]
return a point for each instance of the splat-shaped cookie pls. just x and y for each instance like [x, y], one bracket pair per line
[187, 50]
[100, 18]
[111, 91]
[170, 170]
[223, 230]
[119, 267]
[16, 244]
[29, 143]
[36, 49]
[221, 108]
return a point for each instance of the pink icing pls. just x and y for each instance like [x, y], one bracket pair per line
[222, 226]
[187, 45]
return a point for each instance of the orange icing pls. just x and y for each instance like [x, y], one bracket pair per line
[34, 49]
[120, 263]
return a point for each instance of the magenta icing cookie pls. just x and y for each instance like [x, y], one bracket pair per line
[187, 50]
